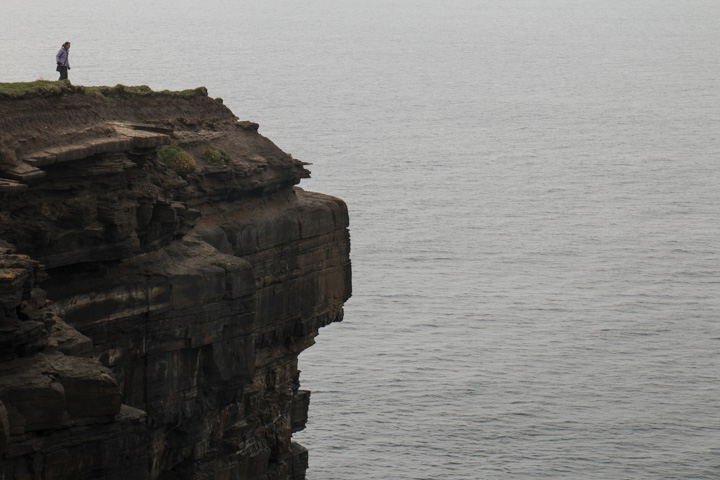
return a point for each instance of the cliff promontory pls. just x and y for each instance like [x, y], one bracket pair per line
[160, 272]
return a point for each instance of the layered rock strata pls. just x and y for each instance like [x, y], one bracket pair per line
[150, 323]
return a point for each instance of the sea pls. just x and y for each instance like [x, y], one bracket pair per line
[534, 196]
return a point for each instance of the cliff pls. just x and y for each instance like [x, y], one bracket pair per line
[150, 320]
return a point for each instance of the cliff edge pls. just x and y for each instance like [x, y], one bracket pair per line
[160, 272]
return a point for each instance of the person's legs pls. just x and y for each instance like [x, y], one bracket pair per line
[63, 73]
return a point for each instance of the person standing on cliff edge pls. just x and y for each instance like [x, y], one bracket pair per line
[63, 65]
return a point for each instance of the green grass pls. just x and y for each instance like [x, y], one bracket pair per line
[177, 159]
[215, 156]
[222, 265]
[143, 91]
[140, 90]
[48, 87]
[20, 88]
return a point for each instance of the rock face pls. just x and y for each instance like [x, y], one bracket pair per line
[150, 323]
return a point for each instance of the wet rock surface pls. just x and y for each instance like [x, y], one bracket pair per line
[150, 323]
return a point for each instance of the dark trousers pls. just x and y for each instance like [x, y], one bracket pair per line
[63, 73]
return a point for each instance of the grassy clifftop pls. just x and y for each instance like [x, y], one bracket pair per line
[50, 88]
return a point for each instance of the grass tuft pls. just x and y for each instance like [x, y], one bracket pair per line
[222, 265]
[177, 160]
[215, 156]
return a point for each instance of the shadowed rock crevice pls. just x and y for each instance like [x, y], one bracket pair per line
[150, 322]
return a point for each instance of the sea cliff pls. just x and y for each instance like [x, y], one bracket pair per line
[151, 317]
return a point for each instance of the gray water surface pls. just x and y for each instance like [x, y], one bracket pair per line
[533, 189]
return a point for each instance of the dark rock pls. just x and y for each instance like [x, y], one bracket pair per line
[164, 341]
[4, 428]
[299, 410]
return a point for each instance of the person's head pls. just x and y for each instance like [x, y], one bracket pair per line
[66, 44]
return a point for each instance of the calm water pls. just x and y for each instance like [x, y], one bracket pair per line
[534, 190]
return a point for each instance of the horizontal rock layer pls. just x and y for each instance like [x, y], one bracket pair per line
[150, 323]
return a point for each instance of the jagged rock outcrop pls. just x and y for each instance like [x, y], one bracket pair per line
[150, 323]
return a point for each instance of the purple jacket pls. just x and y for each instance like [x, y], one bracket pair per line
[62, 57]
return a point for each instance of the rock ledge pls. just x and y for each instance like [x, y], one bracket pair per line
[150, 323]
